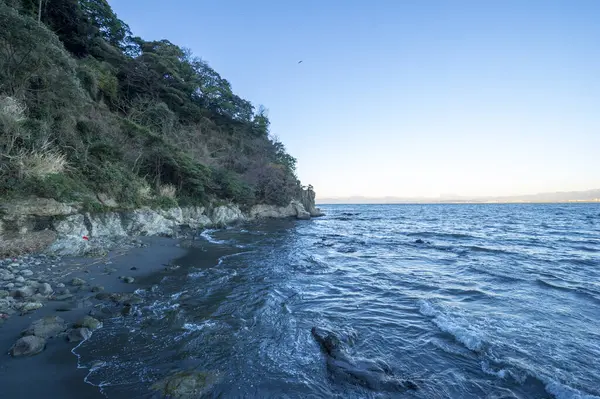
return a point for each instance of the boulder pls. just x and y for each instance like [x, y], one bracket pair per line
[227, 214]
[47, 327]
[186, 384]
[63, 297]
[78, 282]
[78, 334]
[6, 276]
[29, 306]
[24, 292]
[89, 322]
[128, 280]
[28, 346]
[45, 289]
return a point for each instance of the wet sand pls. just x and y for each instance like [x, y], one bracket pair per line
[53, 373]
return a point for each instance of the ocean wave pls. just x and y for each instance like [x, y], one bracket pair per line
[455, 326]
[488, 369]
[199, 326]
[474, 340]
[477, 248]
[561, 391]
[206, 234]
[433, 234]
[585, 248]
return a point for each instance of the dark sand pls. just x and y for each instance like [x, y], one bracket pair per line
[53, 373]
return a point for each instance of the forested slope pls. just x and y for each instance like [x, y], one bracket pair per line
[89, 111]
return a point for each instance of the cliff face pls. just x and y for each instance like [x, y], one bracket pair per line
[39, 224]
[308, 201]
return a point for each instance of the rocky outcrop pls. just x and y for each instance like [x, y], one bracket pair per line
[308, 201]
[186, 384]
[374, 375]
[64, 229]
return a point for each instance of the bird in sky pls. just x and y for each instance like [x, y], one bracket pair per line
[300, 62]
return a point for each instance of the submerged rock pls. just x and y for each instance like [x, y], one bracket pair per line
[374, 375]
[128, 280]
[47, 327]
[420, 241]
[89, 322]
[186, 384]
[63, 297]
[78, 282]
[28, 346]
[78, 334]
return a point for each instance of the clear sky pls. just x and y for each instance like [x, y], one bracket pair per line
[408, 97]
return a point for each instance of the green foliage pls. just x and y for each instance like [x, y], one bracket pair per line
[102, 17]
[162, 202]
[58, 186]
[34, 65]
[129, 116]
[231, 187]
[93, 206]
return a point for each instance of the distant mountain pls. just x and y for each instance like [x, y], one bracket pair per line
[562, 196]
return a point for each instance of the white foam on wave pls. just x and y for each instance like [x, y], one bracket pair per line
[206, 234]
[456, 326]
[561, 391]
[202, 273]
[200, 326]
[486, 368]
[177, 295]
[427, 309]
[473, 339]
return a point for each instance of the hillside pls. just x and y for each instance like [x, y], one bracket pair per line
[91, 113]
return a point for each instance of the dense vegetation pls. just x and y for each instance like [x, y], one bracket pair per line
[86, 109]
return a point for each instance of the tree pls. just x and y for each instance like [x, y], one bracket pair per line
[31, 57]
[67, 20]
[101, 16]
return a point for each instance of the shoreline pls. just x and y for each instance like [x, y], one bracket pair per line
[103, 295]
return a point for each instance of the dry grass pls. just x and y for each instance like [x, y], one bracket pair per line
[40, 162]
[145, 192]
[12, 108]
[167, 190]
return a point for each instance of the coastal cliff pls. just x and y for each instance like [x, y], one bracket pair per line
[105, 134]
[38, 224]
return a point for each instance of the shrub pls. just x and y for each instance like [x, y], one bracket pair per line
[11, 108]
[167, 190]
[230, 186]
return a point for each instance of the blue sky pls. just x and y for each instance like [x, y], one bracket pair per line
[408, 98]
